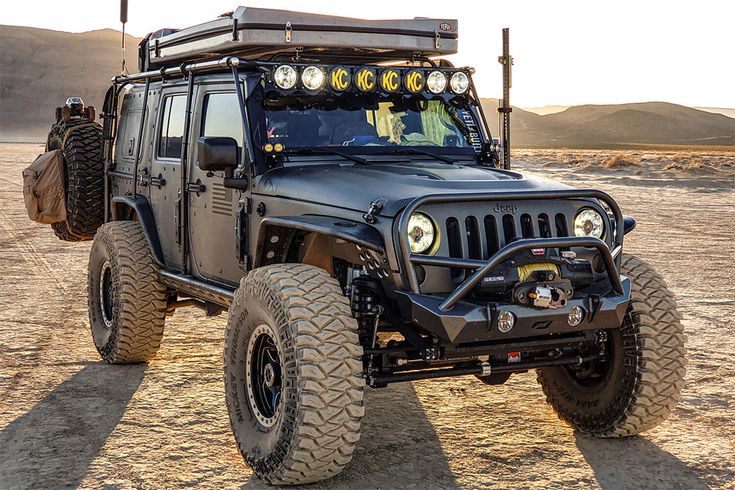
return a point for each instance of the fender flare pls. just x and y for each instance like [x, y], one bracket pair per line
[354, 232]
[143, 211]
[628, 224]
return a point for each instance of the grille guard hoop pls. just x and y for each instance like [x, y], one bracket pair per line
[409, 259]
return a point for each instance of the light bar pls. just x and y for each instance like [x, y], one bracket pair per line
[367, 79]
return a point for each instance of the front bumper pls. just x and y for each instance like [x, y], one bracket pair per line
[471, 322]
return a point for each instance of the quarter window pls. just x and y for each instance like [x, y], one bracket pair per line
[222, 116]
[172, 126]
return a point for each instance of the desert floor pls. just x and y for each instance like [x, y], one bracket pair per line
[67, 419]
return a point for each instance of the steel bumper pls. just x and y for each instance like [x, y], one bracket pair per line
[472, 322]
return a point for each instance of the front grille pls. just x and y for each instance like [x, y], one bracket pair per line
[478, 230]
[480, 237]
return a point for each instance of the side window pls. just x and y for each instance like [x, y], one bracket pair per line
[172, 127]
[222, 116]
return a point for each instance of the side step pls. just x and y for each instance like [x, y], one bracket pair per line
[197, 288]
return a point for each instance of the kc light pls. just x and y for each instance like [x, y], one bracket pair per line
[421, 233]
[506, 321]
[312, 78]
[436, 82]
[459, 82]
[589, 222]
[285, 77]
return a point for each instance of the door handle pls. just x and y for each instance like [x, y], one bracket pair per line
[197, 187]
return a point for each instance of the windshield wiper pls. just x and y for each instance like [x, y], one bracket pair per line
[416, 151]
[316, 151]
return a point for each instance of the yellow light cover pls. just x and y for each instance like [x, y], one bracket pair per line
[278, 147]
[414, 81]
[339, 79]
[268, 147]
[390, 80]
[365, 79]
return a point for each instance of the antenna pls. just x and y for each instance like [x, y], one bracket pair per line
[123, 19]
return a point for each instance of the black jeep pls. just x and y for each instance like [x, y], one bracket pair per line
[335, 187]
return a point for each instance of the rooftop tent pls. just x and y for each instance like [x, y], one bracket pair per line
[259, 33]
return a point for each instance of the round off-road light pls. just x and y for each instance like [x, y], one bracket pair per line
[268, 147]
[364, 79]
[459, 82]
[589, 222]
[285, 77]
[506, 321]
[313, 78]
[576, 315]
[339, 78]
[436, 82]
[414, 81]
[278, 147]
[390, 80]
[421, 233]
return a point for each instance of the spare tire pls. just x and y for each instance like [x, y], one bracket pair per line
[81, 142]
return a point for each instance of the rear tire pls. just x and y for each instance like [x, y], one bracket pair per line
[127, 303]
[293, 374]
[83, 177]
[640, 384]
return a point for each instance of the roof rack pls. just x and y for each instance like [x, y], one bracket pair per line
[258, 33]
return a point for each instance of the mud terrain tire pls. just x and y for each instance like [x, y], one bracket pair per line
[645, 373]
[127, 303]
[83, 177]
[308, 432]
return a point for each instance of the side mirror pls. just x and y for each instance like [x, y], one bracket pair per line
[216, 153]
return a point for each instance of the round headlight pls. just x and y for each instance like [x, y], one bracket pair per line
[589, 222]
[421, 233]
[285, 77]
[436, 82]
[312, 78]
[459, 82]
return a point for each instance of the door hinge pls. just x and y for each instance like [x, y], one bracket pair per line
[197, 187]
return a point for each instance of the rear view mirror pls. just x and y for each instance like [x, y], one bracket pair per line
[216, 153]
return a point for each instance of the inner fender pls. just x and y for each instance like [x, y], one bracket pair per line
[271, 251]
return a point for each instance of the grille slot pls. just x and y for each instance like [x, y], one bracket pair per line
[526, 226]
[509, 228]
[543, 225]
[491, 235]
[561, 225]
[454, 242]
[473, 237]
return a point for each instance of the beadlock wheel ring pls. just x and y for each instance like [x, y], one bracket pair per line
[263, 371]
[106, 294]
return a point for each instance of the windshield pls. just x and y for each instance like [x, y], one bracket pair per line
[368, 121]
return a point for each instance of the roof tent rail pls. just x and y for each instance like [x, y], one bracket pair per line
[185, 69]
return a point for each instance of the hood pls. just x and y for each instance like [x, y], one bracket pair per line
[354, 186]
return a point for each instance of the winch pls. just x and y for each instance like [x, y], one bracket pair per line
[543, 289]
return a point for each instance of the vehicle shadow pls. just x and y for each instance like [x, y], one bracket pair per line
[636, 463]
[398, 447]
[77, 418]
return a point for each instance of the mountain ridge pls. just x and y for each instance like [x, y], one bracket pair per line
[40, 68]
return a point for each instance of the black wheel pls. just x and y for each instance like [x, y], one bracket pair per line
[293, 374]
[638, 385]
[81, 141]
[127, 303]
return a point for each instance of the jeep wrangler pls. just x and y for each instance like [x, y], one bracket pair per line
[332, 183]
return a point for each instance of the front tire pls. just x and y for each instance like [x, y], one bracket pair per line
[639, 385]
[293, 374]
[127, 303]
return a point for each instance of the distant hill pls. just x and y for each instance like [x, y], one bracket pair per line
[40, 68]
[611, 126]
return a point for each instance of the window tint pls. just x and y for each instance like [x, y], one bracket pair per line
[222, 117]
[172, 126]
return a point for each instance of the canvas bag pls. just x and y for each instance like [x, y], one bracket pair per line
[43, 188]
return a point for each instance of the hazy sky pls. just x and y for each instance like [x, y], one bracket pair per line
[566, 52]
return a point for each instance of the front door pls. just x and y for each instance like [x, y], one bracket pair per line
[213, 209]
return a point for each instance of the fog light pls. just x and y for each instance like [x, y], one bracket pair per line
[313, 78]
[285, 77]
[576, 316]
[506, 321]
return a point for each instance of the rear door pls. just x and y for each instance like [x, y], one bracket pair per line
[213, 210]
[166, 163]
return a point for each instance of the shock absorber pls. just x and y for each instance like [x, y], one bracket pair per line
[366, 308]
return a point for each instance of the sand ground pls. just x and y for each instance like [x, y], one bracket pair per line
[68, 420]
